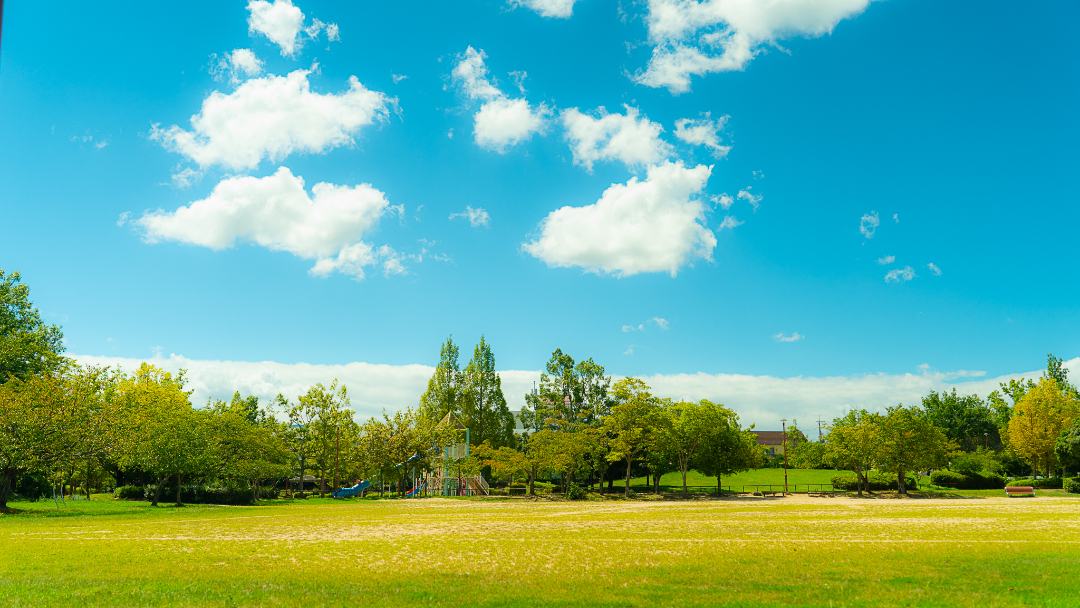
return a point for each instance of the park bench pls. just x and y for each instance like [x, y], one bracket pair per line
[1019, 491]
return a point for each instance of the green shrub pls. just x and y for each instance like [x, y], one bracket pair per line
[1072, 486]
[130, 493]
[1052, 483]
[575, 492]
[877, 483]
[972, 481]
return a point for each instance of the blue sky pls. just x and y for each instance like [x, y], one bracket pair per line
[953, 125]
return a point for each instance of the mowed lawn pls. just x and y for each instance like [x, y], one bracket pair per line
[793, 551]
[756, 477]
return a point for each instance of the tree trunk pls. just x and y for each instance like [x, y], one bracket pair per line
[532, 481]
[5, 488]
[157, 491]
[88, 461]
[684, 488]
[719, 487]
[600, 487]
[859, 482]
[179, 478]
[900, 485]
[626, 490]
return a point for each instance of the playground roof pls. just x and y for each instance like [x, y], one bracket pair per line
[450, 418]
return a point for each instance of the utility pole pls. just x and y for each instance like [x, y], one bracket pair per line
[819, 438]
[783, 422]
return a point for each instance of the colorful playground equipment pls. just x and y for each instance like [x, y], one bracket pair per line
[416, 490]
[359, 488]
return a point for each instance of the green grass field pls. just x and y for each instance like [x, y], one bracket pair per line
[793, 551]
[673, 481]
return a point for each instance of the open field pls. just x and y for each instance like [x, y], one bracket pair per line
[735, 552]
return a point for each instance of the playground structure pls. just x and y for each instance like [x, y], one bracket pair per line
[441, 481]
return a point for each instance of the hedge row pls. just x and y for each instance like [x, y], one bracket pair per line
[1072, 486]
[878, 482]
[1052, 483]
[974, 481]
[195, 494]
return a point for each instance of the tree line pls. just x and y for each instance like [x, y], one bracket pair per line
[82, 426]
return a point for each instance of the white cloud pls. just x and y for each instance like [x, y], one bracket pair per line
[889, 259]
[661, 323]
[703, 132]
[281, 22]
[697, 38]
[750, 197]
[561, 9]
[730, 222]
[761, 400]
[724, 200]
[101, 144]
[477, 217]
[900, 275]
[120, 221]
[185, 178]
[651, 225]
[398, 77]
[868, 223]
[276, 212]
[501, 122]
[629, 328]
[896, 217]
[934, 269]
[505, 122]
[626, 137]
[234, 65]
[758, 174]
[273, 117]
[795, 337]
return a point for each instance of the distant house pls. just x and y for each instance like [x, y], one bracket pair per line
[773, 441]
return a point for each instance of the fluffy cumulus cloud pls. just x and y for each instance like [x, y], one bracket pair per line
[761, 400]
[561, 9]
[477, 217]
[692, 38]
[282, 23]
[703, 131]
[900, 275]
[235, 66]
[650, 225]
[273, 117]
[501, 121]
[630, 138]
[276, 212]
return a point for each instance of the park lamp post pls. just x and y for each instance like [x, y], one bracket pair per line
[783, 423]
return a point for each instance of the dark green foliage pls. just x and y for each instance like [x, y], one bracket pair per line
[1051, 483]
[963, 418]
[33, 486]
[876, 482]
[969, 481]
[131, 492]
[575, 492]
[1067, 448]
[1072, 486]
[27, 345]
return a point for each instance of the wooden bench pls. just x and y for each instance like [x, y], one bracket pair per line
[1019, 491]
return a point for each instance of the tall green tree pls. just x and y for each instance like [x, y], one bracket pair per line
[909, 442]
[444, 388]
[631, 426]
[1037, 422]
[483, 407]
[27, 345]
[965, 419]
[684, 426]
[1067, 446]
[854, 444]
[726, 448]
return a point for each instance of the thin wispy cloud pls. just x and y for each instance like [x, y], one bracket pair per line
[869, 223]
[795, 337]
[889, 259]
[934, 269]
[477, 217]
[900, 275]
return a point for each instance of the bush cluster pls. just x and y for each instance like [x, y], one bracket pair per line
[1052, 483]
[969, 481]
[575, 492]
[877, 482]
[130, 493]
[1072, 486]
[194, 494]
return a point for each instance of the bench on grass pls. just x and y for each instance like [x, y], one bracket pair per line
[1019, 491]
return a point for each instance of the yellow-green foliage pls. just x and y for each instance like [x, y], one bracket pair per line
[747, 552]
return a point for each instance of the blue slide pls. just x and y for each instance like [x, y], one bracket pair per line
[416, 490]
[353, 491]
